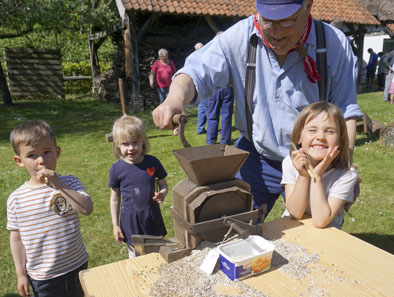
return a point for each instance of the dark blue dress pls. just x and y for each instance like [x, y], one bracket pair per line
[139, 214]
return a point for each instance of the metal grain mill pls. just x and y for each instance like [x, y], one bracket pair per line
[210, 201]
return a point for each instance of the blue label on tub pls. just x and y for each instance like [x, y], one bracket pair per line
[232, 271]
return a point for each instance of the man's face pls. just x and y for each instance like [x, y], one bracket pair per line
[281, 39]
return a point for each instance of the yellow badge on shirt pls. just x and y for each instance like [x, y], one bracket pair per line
[59, 204]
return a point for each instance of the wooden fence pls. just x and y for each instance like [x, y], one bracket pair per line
[34, 72]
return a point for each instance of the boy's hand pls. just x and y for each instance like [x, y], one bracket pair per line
[46, 175]
[118, 234]
[159, 197]
[23, 285]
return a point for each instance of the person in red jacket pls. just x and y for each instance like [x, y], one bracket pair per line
[162, 70]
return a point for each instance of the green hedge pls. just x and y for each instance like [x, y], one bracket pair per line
[80, 69]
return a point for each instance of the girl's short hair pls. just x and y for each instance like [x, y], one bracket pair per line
[163, 52]
[311, 112]
[128, 128]
[30, 133]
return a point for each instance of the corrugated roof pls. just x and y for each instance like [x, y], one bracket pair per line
[348, 11]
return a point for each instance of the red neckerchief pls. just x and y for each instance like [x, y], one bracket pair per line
[309, 63]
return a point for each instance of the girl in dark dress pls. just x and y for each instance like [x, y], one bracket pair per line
[132, 180]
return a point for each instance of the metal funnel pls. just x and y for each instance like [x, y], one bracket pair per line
[210, 164]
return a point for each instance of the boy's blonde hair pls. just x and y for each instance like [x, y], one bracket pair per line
[128, 128]
[311, 112]
[30, 133]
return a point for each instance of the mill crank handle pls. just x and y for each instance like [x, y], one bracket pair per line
[181, 120]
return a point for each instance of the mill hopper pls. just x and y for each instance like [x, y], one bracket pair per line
[210, 163]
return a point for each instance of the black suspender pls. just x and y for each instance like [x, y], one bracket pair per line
[321, 59]
[321, 63]
[249, 84]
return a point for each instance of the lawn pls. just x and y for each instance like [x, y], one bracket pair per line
[81, 125]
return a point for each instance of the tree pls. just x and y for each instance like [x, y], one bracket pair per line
[58, 18]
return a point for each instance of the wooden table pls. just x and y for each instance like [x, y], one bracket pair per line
[348, 266]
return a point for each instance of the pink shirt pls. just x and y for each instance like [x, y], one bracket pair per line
[164, 73]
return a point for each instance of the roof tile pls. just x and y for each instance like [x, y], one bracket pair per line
[348, 11]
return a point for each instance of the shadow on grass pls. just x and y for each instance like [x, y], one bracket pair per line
[362, 141]
[384, 242]
[66, 116]
[11, 295]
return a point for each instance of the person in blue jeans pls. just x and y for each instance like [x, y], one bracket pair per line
[202, 112]
[222, 103]
[202, 116]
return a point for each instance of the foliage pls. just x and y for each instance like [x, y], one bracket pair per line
[55, 16]
[80, 126]
[80, 69]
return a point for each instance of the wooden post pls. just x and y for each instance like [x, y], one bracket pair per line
[121, 95]
[147, 25]
[211, 24]
[5, 91]
[359, 40]
[137, 103]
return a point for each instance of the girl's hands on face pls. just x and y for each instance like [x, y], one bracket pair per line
[326, 162]
[300, 162]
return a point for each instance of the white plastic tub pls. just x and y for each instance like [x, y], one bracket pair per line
[245, 257]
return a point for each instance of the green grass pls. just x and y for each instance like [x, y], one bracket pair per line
[81, 125]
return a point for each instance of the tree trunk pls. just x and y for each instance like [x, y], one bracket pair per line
[7, 99]
[387, 135]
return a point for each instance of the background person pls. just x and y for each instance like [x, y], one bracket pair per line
[133, 184]
[381, 72]
[388, 61]
[220, 105]
[202, 109]
[162, 70]
[391, 90]
[46, 242]
[319, 134]
[371, 67]
[286, 79]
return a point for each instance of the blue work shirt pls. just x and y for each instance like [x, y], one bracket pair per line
[280, 92]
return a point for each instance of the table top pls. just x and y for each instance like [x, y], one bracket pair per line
[347, 266]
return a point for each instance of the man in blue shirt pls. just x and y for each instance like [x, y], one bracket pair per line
[285, 83]
[371, 67]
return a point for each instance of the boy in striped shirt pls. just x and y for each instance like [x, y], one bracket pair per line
[42, 215]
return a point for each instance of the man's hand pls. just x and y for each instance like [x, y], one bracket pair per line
[163, 114]
[181, 92]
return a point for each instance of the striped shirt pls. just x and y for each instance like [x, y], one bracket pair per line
[53, 243]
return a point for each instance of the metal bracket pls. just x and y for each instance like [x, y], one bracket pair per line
[150, 240]
[240, 219]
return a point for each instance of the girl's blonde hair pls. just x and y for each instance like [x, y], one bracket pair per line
[128, 128]
[311, 112]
